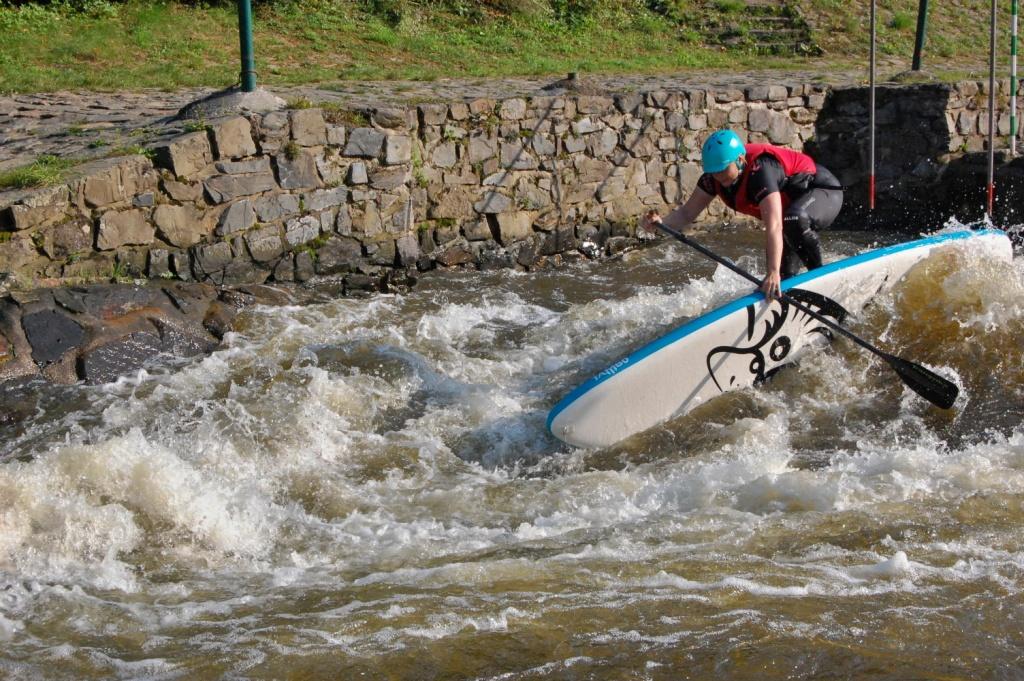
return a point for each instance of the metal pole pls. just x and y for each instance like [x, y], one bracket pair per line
[992, 112]
[248, 75]
[922, 21]
[871, 115]
[1013, 78]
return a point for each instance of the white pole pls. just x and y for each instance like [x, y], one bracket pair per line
[992, 112]
[1013, 78]
[871, 115]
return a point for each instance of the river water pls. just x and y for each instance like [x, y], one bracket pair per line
[365, 489]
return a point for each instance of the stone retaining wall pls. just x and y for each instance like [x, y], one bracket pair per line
[518, 182]
[293, 194]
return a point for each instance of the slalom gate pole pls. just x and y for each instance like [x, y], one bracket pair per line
[1013, 78]
[871, 115]
[992, 113]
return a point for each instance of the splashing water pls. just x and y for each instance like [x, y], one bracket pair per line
[367, 488]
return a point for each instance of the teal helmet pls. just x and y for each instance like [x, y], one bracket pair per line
[721, 149]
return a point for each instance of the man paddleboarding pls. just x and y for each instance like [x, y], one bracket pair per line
[787, 190]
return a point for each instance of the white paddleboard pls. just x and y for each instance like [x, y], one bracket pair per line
[739, 344]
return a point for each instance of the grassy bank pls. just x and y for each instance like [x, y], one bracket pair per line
[97, 44]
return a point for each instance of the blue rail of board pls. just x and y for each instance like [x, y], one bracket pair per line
[740, 303]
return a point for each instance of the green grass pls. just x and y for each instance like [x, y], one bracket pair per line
[103, 45]
[45, 171]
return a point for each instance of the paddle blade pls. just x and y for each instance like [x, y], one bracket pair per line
[926, 383]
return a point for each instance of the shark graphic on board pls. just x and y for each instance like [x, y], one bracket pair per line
[771, 342]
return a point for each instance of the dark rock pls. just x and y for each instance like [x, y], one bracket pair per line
[117, 358]
[51, 334]
[159, 266]
[304, 267]
[339, 254]
[210, 258]
[218, 318]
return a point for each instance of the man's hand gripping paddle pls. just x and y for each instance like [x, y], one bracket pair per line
[926, 383]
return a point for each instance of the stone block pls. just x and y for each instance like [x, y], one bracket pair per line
[284, 270]
[179, 226]
[444, 155]
[514, 226]
[513, 109]
[224, 188]
[336, 135]
[585, 126]
[432, 114]
[66, 238]
[297, 171]
[759, 120]
[816, 101]
[782, 130]
[186, 155]
[574, 145]
[256, 165]
[481, 106]
[603, 143]
[211, 258]
[265, 244]
[391, 117]
[123, 228]
[757, 93]
[543, 145]
[274, 207]
[728, 95]
[482, 148]
[180, 191]
[365, 143]
[397, 149]
[477, 230]
[357, 174]
[305, 267]
[339, 254]
[238, 217]
[302, 230]
[454, 203]
[493, 202]
[39, 208]
[322, 199]
[389, 178]
[458, 111]
[158, 265]
[408, 250]
[515, 156]
[232, 138]
[308, 127]
[777, 93]
[588, 104]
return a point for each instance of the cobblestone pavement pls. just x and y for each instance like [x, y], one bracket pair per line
[94, 124]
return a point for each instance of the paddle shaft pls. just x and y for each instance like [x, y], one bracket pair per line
[788, 299]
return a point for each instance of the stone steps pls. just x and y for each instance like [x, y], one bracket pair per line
[762, 26]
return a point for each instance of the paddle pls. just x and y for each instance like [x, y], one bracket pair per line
[924, 382]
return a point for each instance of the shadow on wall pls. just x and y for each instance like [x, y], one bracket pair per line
[930, 158]
[911, 135]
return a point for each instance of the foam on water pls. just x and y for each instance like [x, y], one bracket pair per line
[389, 458]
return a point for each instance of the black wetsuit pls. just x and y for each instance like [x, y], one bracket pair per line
[815, 201]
